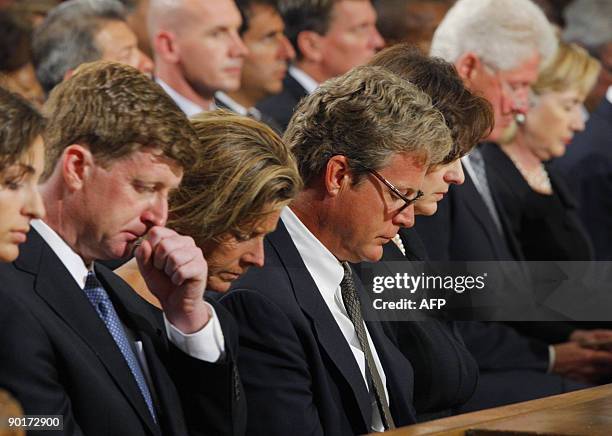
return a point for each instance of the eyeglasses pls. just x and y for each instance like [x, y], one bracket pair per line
[393, 189]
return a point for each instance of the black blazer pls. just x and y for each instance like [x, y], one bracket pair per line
[445, 373]
[547, 227]
[299, 374]
[280, 107]
[58, 358]
[587, 169]
[512, 366]
[462, 229]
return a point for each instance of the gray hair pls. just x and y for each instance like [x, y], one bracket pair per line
[368, 115]
[66, 38]
[588, 22]
[503, 33]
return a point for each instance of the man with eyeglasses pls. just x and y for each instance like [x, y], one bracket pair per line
[363, 142]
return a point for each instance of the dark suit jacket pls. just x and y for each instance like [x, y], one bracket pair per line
[280, 107]
[512, 367]
[299, 374]
[462, 229]
[587, 168]
[445, 373]
[58, 358]
[547, 227]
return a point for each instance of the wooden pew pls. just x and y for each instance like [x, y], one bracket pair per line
[585, 412]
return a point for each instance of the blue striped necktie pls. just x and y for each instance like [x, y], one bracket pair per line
[103, 305]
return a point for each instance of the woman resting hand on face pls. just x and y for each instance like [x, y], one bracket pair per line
[21, 164]
[538, 203]
[231, 198]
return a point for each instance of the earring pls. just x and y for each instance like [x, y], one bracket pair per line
[520, 118]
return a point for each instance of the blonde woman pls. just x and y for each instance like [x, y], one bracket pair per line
[538, 203]
[231, 198]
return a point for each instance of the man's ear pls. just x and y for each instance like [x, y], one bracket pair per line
[338, 175]
[68, 74]
[77, 164]
[165, 46]
[468, 66]
[309, 45]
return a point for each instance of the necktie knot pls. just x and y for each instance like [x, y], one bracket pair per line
[94, 290]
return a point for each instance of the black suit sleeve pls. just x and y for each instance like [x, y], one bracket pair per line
[211, 393]
[28, 367]
[499, 347]
[273, 367]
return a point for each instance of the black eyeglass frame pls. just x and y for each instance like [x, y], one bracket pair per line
[392, 188]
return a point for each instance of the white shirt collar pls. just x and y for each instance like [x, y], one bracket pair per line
[465, 160]
[187, 106]
[72, 261]
[609, 94]
[307, 82]
[322, 265]
[231, 103]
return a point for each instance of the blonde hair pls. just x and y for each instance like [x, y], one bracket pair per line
[243, 172]
[571, 68]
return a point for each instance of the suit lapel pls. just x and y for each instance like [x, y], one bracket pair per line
[294, 87]
[478, 209]
[496, 160]
[398, 371]
[58, 289]
[326, 329]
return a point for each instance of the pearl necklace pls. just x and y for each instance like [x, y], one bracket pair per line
[537, 178]
[398, 241]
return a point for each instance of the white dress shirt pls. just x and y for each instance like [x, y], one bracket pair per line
[307, 82]
[327, 273]
[207, 344]
[187, 106]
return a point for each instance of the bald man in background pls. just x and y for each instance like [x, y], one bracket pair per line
[197, 50]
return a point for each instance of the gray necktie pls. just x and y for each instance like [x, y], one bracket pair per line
[353, 308]
[478, 165]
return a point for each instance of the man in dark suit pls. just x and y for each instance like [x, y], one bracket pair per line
[76, 340]
[330, 37]
[305, 349]
[469, 225]
[265, 65]
[588, 167]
